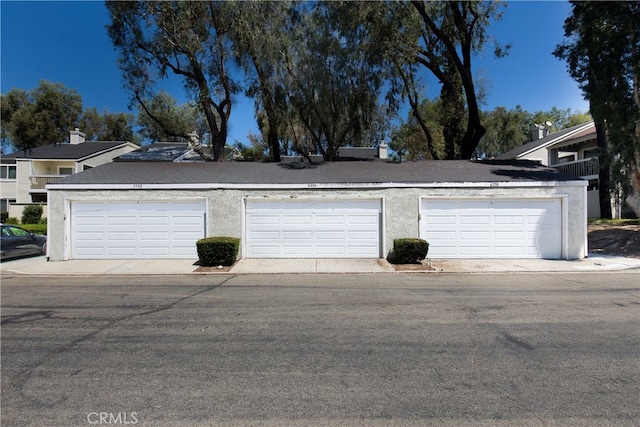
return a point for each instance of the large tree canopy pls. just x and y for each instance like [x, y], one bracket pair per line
[188, 39]
[602, 51]
[41, 116]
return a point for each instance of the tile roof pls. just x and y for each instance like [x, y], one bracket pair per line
[65, 151]
[542, 142]
[341, 172]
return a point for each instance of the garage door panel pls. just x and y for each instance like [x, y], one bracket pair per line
[91, 220]
[492, 228]
[119, 251]
[330, 250]
[508, 219]
[308, 229]
[330, 235]
[260, 219]
[120, 236]
[297, 235]
[359, 219]
[297, 219]
[136, 229]
[510, 251]
[155, 236]
[324, 219]
[121, 220]
[154, 220]
[294, 251]
[475, 251]
[475, 219]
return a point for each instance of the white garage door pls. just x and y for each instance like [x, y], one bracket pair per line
[313, 229]
[492, 228]
[141, 230]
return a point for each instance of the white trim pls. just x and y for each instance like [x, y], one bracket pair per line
[556, 140]
[564, 212]
[67, 228]
[586, 223]
[318, 186]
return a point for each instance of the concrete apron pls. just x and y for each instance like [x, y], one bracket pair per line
[40, 266]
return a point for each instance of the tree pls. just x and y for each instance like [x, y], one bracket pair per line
[41, 116]
[408, 139]
[261, 35]
[449, 34]
[506, 130]
[602, 51]
[188, 40]
[107, 126]
[334, 77]
[164, 120]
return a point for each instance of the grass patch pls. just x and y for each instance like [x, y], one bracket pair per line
[35, 228]
[601, 221]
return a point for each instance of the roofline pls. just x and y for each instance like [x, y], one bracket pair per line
[79, 159]
[316, 186]
[115, 147]
[557, 139]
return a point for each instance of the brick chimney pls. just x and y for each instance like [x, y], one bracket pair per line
[76, 137]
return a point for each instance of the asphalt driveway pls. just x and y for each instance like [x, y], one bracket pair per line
[437, 349]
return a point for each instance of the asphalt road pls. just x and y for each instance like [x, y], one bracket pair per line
[370, 350]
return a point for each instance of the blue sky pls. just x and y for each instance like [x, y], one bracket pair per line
[67, 42]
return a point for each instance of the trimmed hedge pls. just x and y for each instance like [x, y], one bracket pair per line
[410, 250]
[214, 251]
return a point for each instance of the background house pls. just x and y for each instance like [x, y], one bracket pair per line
[25, 173]
[572, 151]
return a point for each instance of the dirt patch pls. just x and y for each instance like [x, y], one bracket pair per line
[221, 269]
[613, 239]
[421, 266]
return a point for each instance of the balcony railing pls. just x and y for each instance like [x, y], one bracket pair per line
[582, 168]
[38, 182]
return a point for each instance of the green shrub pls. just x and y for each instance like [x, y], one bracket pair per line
[36, 228]
[410, 250]
[32, 214]
[12, 220]
[214, 251]
[4, 216]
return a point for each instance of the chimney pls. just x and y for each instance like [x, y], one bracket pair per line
[541, 130]
[76, 137]
[382, 150]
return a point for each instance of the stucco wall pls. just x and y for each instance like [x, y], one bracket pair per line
[401, 207]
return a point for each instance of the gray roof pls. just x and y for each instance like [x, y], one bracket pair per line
[539, 143]
[157, 152]
[340, 172]
[65, 151]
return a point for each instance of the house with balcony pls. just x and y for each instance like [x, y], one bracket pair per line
[25, 173]
[572, 151]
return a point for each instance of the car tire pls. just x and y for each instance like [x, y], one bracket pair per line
[43, 249]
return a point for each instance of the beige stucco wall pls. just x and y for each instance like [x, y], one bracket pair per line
[401, 208]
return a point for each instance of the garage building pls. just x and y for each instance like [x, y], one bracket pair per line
[342, 209]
